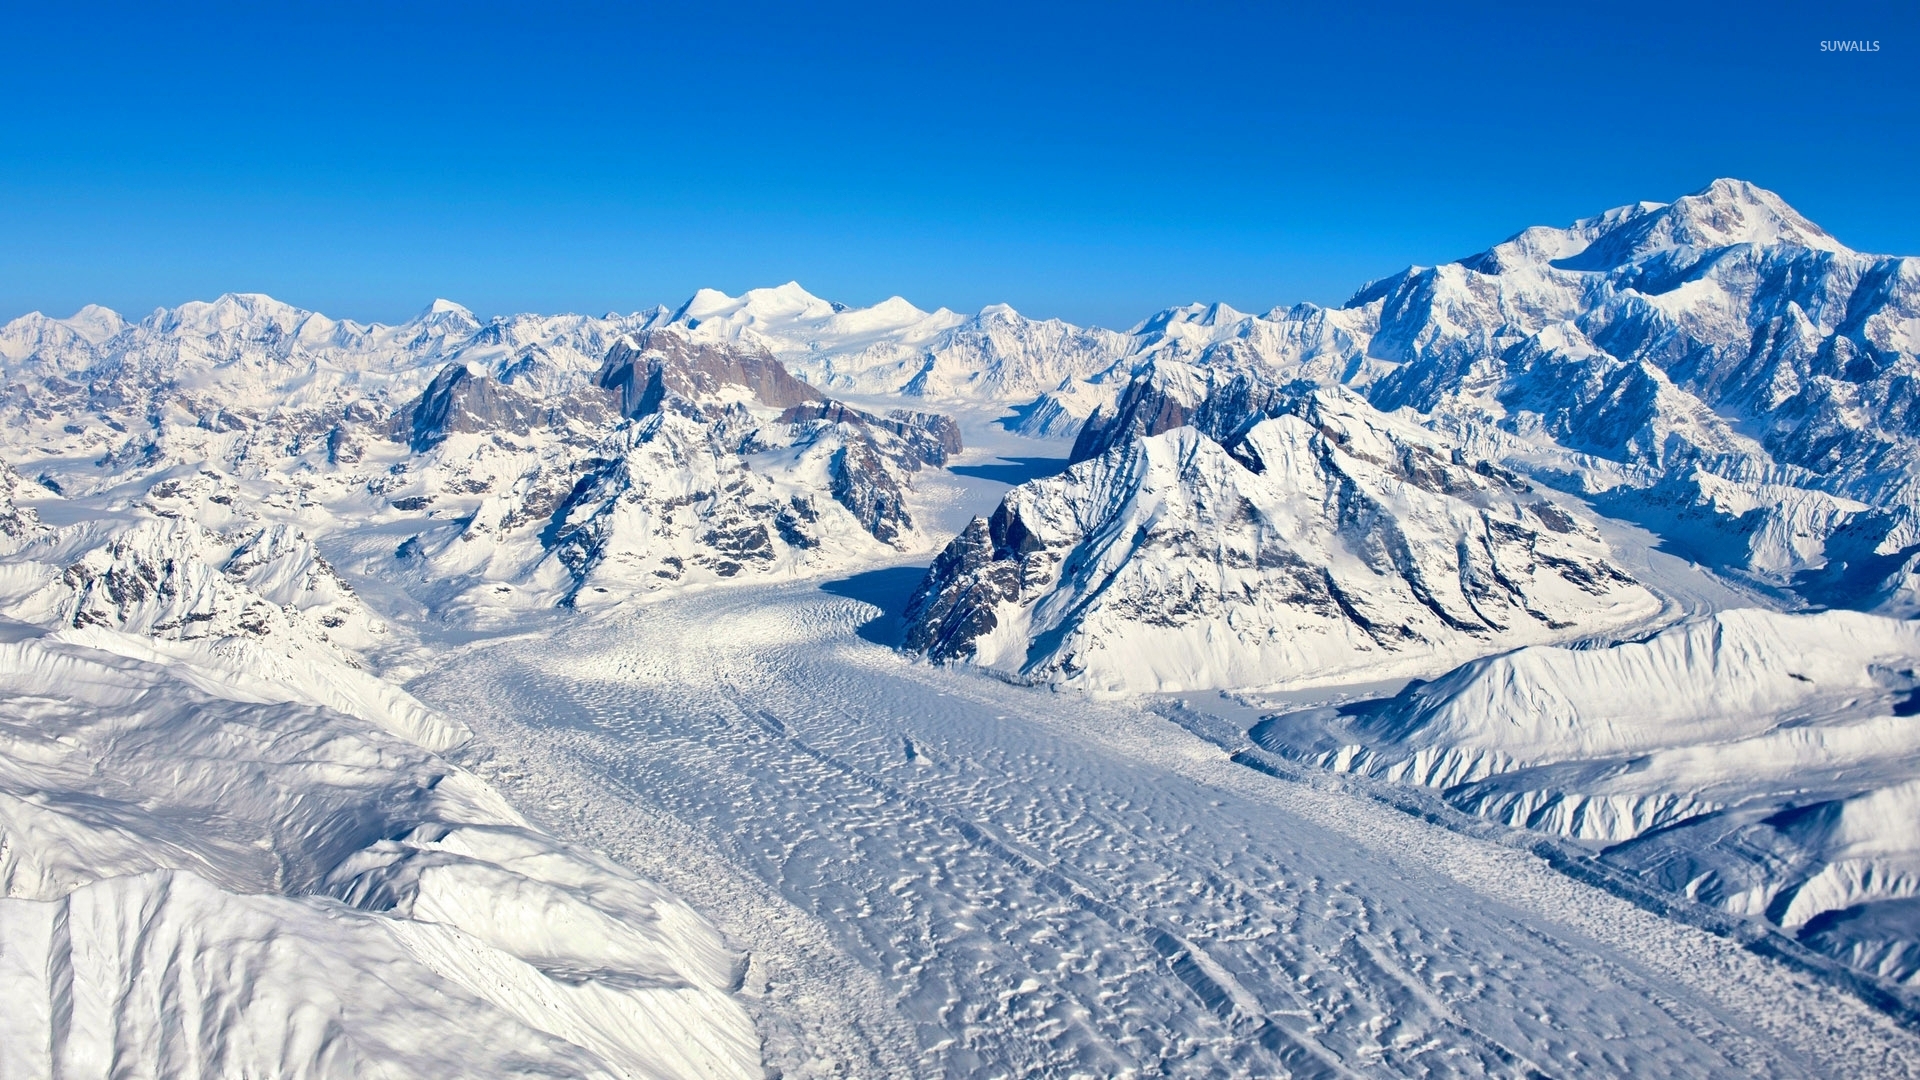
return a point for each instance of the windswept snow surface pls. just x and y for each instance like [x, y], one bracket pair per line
[940, 874]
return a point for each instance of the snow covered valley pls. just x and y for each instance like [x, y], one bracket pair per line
[937, 873]
[1508, 673]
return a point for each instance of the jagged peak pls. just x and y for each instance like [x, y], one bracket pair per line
[1299, 312]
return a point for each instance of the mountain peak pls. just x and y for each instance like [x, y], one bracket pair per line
[1725, 213]
[1729, 211]
[96, 323]
[444, 320]
[784, 303]
[443, 306]
[231, 311]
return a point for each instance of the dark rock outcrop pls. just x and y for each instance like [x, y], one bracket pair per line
[648, 369]
[460, 401]
[954, 604]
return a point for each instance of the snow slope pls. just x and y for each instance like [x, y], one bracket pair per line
[171, 850]
[1758, 761]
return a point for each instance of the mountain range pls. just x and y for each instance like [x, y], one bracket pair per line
[1619, 520]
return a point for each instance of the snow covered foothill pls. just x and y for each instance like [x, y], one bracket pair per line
[257, 607]
[169, 847]
[18, 524]
[1758, 761]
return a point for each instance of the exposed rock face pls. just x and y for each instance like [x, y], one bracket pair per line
[645, 369]
[861, 484]
[983, 568]
[1222, 403]
[1328, 539]
[457, 400]
[17, 523]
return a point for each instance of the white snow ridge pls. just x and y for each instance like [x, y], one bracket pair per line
[1509, 672]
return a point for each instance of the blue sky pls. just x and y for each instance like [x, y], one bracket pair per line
[1092, 162]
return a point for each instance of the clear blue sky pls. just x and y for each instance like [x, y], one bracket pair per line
[1095, 163]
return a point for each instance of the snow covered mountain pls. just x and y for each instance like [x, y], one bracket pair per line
[542, 459]
[997, 356]
[1718, 368]
[207, 767]
[1326, 542]
[1623, 359]
[1416, 483]
[227, 529]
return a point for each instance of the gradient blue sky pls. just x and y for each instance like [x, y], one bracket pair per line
[1092, 162]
